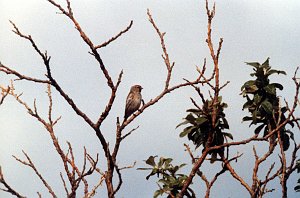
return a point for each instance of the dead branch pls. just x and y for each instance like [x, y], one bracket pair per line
[96, 55]
[8, 188]
[115, 37]
[255, 181]
[93, 191]
[264, 185]
[64, 183]
[237, 177]
[52, 81]
[4, 93]
[9, 71]
[127, 134]
[31, 165]
[39, 194]
[75, 176]
[165, 55]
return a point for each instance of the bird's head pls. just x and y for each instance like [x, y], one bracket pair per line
[136, 88]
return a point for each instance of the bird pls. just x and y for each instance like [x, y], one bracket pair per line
[133, 100]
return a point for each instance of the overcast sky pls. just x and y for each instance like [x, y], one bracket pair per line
[252, 31]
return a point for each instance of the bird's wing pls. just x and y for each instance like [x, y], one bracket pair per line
[129, 100]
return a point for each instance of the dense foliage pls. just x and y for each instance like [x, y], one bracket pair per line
[200, 126]
[264, 104]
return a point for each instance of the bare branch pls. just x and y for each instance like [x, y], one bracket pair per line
[8, 188]
[264, 185]
[9, 71]
[93, 191]
[64, 183]
[28, 37]
[255, 181]
[127, 134]
[115, 37]
[120, 180]
[165, 55]
[52, 81]
[108, 107]
[4, 93]
[237, 177]
[39, 194]
[31, 165]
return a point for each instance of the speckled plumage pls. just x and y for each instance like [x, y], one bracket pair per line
[133, 101]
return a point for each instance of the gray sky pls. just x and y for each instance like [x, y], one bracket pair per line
[252, 31]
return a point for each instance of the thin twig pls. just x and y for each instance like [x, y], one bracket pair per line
[115, 37]
[8, 188]
[31, 165]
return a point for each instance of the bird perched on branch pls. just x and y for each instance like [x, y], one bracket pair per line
[133, 101]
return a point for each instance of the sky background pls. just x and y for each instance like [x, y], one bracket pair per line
[252, 31]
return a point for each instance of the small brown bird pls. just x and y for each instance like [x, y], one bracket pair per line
[133, 101]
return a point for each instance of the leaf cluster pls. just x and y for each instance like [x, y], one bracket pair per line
[201, 125]
[263, 102]
[171, 181]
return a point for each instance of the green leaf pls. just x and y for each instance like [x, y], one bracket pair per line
[248, 104]
[225, 123]
[291, 123]
[298, 166]
[193, 110]
[220, 99]
[266, 63]
[274, 71]
[228, 135]
[158, 193]
[257, 98]
[259, 128]
[144, 168]
[297, 188]
[254, 117]
[270, 89]
[291, 134]
[167, 161]
[251, 89]
[154, 171]
[182, 123]
[283, 109]
[163, 181]
[267, 106]
[253, 64]
[247, 118]
[277, 85]
[186, 131]
[190, 118]
[248, 84]
[200, 120]
[150, 161]
[286, 142]
[182, 165]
